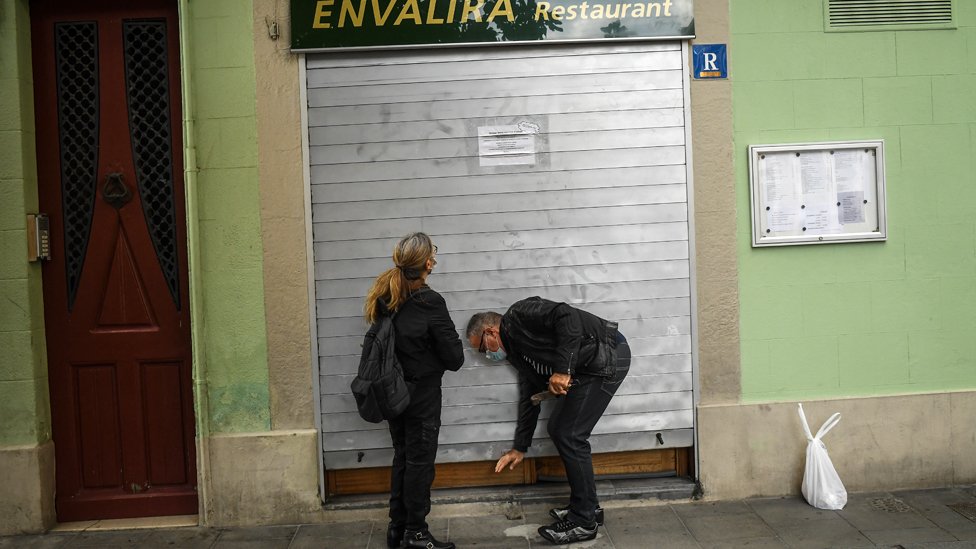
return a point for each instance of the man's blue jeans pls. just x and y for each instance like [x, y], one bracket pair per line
[570, 426]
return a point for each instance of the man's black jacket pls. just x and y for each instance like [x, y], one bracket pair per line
[542, 337]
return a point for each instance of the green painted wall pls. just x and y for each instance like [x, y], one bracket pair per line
[870, 318]
[228, 309]
[229, 331]
[23, 364]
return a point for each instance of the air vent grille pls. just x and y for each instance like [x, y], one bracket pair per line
[886, 13]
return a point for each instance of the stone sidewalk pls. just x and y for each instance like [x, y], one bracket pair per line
[935, 518]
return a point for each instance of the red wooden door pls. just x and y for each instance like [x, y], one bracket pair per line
[109, 155]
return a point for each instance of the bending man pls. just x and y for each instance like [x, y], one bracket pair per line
[580, 358]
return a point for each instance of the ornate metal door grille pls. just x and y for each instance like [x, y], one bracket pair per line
[147, 92]
[76, 54]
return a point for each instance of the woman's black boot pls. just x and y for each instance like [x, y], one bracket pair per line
[423, 539]
[394, 535]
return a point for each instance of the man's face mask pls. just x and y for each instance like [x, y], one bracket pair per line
[497, 356]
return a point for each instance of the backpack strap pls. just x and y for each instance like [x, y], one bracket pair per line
[422, 289]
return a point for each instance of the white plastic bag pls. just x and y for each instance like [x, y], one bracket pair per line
[821, 486]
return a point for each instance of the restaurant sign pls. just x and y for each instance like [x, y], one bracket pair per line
[342, 24]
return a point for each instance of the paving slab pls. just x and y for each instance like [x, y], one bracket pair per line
[258, 533]
[901, 536]
[110, 539]
[183, 538]
[49, 541]
[491, 531]
[356, 534]
[934, 505]
[751, 543]
[711, 508]
[788, 510]
[270, 543]
[648, 527]
[725, 527]
[816, 534]
[864, 515]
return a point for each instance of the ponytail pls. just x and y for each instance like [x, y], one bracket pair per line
[410, 257]
[391, 288]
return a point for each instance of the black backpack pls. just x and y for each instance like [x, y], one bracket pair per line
[380, 390]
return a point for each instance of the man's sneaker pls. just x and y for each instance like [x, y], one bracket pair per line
[424, 540]
[567, 531]
[560, 513]
[394, 536]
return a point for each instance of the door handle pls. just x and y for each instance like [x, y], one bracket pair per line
[115, 191]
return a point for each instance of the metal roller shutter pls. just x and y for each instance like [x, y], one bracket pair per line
[592, 211]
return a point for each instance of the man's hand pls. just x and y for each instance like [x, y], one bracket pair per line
[559, 384]
[511, 458]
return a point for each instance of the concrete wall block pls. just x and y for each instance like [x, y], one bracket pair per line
[759, 449]
[27, 475]
[962, 410]
[265, 478]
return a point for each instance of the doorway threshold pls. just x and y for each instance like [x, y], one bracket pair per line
[663, 489]
[139, 523]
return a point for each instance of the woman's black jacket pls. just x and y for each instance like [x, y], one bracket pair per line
[427, 343]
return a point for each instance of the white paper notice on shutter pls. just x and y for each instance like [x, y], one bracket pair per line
[507, 145]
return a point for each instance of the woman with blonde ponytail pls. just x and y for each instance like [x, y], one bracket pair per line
[427, 345]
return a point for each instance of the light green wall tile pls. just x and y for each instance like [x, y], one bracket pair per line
[870, 261]
[915, 52]
[220, 8]
[775, 311]
[868, 361]
[965, 13]
[765, 105]
[890, 313]
[16, 359]
[230, 244]
[778, 56]
[807, 364]
[13, 250]
[12, 212]
[228, 193]
[958, 303]
[828, 103]
[905, 305]
[860, 54]
[763, 16]
[239, 408]
[890, 134]
[227, 143]
[954, 99]
[227, 98]
[971, 47]
[897, 101]
[14, 306]
[754, 356]
[944, 358]
[794, 264]
[10, 107]
[20, 409]
[805, 135]
[11, 154]
[836, 309]
[937, 250]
